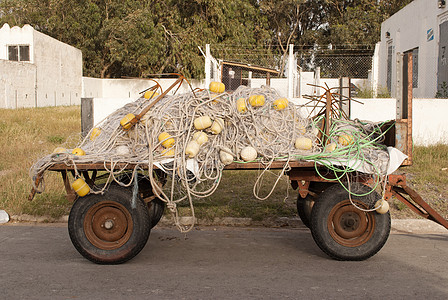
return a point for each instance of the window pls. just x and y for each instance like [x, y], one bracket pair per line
[24, 52]
[13, 52]
[19, 52]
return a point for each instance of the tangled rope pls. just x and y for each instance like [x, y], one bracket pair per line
[272, 132]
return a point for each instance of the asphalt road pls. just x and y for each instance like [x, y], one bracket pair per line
[39, 262]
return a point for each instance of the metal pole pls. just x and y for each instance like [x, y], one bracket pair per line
[207, 66]
[290, 71]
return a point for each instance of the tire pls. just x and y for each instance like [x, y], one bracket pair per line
[107, 229]
[345, 232]
[305, 205]
[156, 207]
[304, 208]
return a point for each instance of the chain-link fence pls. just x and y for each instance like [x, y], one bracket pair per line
[251, 55]
[353, 61]
[310, 66]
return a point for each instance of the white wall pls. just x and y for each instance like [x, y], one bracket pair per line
[16, 36]
[92, 87]
[102, 107]
[59, 72]
[429, 121]
[408, 29]
[52, 77]
[17, 84]
[280, 84]
[129, 88]
[430, 125]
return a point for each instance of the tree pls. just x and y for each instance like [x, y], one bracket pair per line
[142, 37]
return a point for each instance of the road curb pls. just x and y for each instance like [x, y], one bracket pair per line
[417, 226]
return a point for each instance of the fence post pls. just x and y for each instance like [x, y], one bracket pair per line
[316, 80]
[345, 88]
[375, 70]
[299, 83]
[207, 65]
[290, 71]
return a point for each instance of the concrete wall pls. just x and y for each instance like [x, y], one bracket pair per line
[429, 121]
[52, 77]
[59, 72]
[92, 87]
[16, 36]
[128, 88]
[408, 29]
[430, 125]
[17, 84]
[280, 84]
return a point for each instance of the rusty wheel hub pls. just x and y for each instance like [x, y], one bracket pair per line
[108, 225]
[350, 226]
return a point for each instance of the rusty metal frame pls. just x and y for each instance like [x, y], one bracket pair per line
[398, 188]
[301, 175]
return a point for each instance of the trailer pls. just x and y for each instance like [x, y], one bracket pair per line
[106, 228]
[114, 226]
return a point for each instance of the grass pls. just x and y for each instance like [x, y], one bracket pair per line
[28, 134]
[234, 198]
[428, 175]
[366, 92]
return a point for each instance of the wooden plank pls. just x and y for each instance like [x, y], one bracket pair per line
[71, 195]
[279, 164]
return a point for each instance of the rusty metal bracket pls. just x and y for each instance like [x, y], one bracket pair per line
[397, 187]
[34, 189]
[303, 188]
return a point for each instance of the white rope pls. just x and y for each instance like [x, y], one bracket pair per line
[272, 133]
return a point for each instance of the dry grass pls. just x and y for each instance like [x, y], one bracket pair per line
[234, 197]
[429, 177]
[28, 134]
[25, 136]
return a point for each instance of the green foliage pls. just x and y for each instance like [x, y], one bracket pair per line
[139, 38]
[366, 92]
[399, 205]
[56, 139]
[443, 91]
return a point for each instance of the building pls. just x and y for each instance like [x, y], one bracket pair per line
[421, 28]
[37, 70]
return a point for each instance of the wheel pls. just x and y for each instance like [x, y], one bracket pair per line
[304, 208]
[156, 207]
[305, 205]
[345, 232]
[109, 228]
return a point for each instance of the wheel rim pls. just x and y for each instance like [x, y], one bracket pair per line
[108, 225]
[350, 226]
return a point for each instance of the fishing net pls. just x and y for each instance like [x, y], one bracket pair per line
[193, 136]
